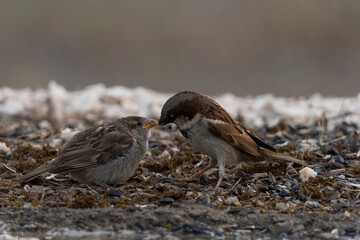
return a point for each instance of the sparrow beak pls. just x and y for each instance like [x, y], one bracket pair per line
[150, 124]
[163, 121]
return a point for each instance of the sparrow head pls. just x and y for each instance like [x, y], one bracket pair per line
[139, 126]
[182, 105]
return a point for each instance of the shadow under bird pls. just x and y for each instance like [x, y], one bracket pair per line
[210, 129]
[105, 154]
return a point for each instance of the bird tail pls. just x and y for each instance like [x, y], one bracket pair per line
[282, 157]
[35, 173]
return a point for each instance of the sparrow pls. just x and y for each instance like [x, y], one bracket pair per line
[210, 129]
[105, 154]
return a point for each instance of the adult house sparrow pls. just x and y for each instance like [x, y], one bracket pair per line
[105, 154]
[210, 129]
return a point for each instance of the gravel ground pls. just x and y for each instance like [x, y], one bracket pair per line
[261, 199]
[256, 200]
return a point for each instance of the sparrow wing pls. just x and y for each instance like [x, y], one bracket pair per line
[258, 140]
[235, 136]
[92, 147]
[231, 131]
[114, 145]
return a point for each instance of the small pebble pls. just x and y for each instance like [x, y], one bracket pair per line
[326, 165]
[340, 206]
[280, 206]
[313, 204]
[349, 175]
[339, 159]
[263, 188]
[337, 164]
[205, 180]
[153, 144]
[27, 188]
[350, 232]
[8, 155]
[335, 232]
[231, 200]
[138, 227]
[275, 164]
[114, 193]
[283, 235]
[167, 180]
[164, 154]
[4, 190]
[271, 178]
[325, 236]
[331, 150]
[347, 215]
[341, 177]
[234, 210]
[206, 200]
[38, 189]
[27, 205]
[167, 200]
[284, 192]
[294, 182]
[44, 124]
[260, 203]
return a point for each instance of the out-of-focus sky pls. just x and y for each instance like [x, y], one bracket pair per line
[288, 48]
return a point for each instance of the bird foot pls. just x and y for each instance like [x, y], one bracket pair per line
[218, 183]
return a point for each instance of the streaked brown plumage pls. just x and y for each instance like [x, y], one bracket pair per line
[212, 130]
[104, 154]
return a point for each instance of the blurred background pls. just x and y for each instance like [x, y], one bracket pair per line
[288, 48]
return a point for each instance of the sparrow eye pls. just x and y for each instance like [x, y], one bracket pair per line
[139, 123]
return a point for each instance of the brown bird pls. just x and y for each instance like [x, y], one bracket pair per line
[210, 129]
[105, 154]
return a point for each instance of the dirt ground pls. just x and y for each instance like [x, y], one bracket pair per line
[256, 200]
[181, 219]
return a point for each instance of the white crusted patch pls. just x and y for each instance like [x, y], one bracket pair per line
[307, 173]
[4, 148]
[67, 134]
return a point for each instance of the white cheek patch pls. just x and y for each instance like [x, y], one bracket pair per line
[184, 123]
[214, 121]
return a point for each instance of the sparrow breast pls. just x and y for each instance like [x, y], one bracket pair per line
[198, 134]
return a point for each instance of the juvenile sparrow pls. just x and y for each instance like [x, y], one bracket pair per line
[211, 130]
[105, 154]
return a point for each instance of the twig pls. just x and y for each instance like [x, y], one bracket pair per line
[149, 195]
[333, 140]
[8, 168]
[335, 171]
[235, 184]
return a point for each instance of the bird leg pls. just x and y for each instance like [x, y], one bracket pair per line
[219, 182]
[221, 174]
[197, 175]
[201, 172]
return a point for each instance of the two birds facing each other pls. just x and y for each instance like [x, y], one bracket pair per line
[109, 153]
